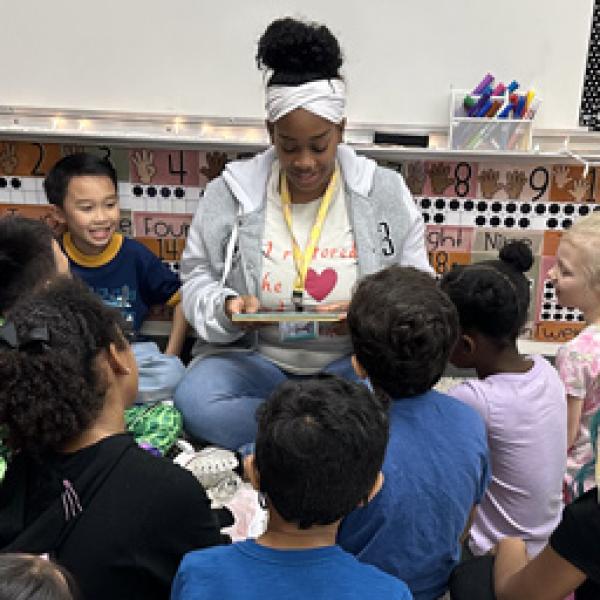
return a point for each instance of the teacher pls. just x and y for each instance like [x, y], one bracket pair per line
[297, 224]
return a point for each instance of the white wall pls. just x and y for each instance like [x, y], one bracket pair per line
[197, 56]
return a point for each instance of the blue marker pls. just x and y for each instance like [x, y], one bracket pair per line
[483, 110]
[505, 111]
[520, 108]
[475, 110]
[512, 87]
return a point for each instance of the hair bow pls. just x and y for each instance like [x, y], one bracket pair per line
[36, 336]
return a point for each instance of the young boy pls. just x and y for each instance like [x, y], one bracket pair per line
[83, 188]
[436, 466]
[319, 450]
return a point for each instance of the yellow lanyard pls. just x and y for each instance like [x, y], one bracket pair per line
[303, 259]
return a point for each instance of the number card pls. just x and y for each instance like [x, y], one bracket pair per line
[162, 225]
[511, 182]
[569, 185]
[24, 159]
[448, 179]
[164, 167]
[43, 212]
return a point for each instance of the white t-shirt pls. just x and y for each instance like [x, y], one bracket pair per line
[331, 276]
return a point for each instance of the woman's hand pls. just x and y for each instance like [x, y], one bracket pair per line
[334, 307]
[241, 304]
[244, 304]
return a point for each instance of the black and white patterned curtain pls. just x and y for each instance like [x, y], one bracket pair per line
[590, 100]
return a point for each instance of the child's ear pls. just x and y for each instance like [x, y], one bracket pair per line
[117, 360]
[375, 489]
[467, 344]
[251, 472]
[358, 368]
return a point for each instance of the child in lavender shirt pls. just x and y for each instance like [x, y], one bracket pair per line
[521, 399]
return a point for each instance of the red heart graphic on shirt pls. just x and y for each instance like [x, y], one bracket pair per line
[320, 286]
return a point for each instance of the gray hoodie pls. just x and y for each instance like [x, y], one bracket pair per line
[223, 257]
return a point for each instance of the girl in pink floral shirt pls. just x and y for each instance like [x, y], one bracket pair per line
[576, 278]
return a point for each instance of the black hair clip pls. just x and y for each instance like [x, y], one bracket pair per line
[36, 336]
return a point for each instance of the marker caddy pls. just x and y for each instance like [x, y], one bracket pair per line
[488, 133]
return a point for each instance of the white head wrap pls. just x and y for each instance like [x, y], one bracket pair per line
[324, 97]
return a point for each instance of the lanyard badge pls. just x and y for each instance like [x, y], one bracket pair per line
[302, 259]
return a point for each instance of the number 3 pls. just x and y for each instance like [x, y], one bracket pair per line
[384, 228]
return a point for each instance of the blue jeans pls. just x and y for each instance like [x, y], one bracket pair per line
[218, 396]
[158, 373]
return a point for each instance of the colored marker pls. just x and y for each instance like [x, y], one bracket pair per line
[469, 102]
[499, 90]
[487, 80]
[513, 86]
[505, 111]
[482, 100]
[528, 101]
[494, 109]
[482, 112]
[520, 109]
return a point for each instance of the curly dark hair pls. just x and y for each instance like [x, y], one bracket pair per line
[26, 258]
[492, 296]
[52, 391]
[319, 448]
[298, 52]
[403, 328]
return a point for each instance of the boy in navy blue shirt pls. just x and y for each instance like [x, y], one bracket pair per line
[126, 275]
[436, 465]
[319, 450]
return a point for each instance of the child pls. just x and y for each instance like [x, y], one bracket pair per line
[29, 256]
[78, 488]
[576, 279]
[319, 450]
[436, 466]
[520, 398]
[83, 188]
[29, 577]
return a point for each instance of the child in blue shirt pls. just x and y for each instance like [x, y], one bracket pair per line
[436, 465]
[319, 450]
[83, 189]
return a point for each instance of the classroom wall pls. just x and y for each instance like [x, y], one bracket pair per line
[196, 57]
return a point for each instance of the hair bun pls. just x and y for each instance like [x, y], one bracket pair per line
[518, 255]
[296, 48]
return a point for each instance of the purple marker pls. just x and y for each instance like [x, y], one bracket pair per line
[487, 80]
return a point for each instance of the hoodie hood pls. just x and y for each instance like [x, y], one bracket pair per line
[247, 179]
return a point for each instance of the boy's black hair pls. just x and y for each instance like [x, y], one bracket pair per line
[319, 448]
[492, 297]
[403, 328]
[29, 577]
[51, 388]
[26, 258]
[57, 181]
[298, 52]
